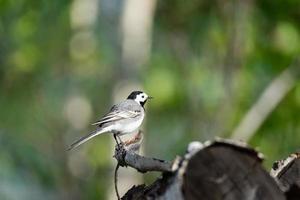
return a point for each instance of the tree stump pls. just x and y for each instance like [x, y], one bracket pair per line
[221, 170]
[228, 171]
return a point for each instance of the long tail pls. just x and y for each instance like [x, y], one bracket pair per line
[86, 138]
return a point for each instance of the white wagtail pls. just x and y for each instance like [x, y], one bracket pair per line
[123, 118]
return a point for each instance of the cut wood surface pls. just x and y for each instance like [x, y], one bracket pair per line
[230, 172]
[217, 170]
[287, 174]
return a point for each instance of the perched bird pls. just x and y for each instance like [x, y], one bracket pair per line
[123, 118]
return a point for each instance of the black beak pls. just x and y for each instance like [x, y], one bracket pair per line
[149, 97]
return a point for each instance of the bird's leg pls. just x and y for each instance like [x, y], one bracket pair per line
[120, 140]
[115, 136]
[119, 143]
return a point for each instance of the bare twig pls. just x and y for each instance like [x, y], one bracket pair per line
[116, 181]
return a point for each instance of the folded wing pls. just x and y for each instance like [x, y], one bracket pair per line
[117, 115]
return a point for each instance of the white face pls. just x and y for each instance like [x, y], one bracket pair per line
[141, 97]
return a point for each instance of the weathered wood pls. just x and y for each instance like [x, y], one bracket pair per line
[142, 164]
[219, 170]
[163, 188]
[228, 171]
[287, 174]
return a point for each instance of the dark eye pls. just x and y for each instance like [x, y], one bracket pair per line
[143, 96]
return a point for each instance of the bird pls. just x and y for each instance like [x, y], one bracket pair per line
[123, 118]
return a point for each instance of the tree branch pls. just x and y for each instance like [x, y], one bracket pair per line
[142, 164]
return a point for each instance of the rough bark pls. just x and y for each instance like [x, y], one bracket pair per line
[228, 171]
[287, 174]
[222, 169]
[140, 163]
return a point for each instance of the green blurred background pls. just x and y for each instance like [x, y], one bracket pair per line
[63, 64]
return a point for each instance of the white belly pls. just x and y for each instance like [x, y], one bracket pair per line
[126, 128]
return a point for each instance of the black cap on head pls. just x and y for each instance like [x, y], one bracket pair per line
[133, 94]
